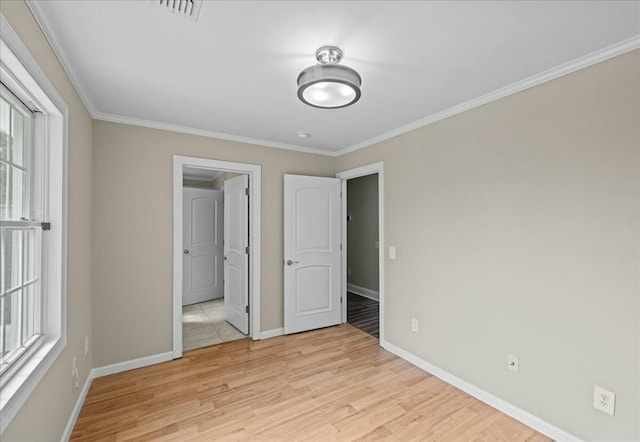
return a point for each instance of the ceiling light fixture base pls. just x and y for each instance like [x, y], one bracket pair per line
[329, 55]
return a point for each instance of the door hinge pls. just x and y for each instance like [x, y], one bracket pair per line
[246, 250]
[247, 309]
[340, 246]
[246, 191]
[340, 299]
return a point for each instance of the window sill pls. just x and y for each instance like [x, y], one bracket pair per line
[17, 390]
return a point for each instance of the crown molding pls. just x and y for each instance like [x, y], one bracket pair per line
[47, 30]
[519, 86]
[551, 74]
[207, 133]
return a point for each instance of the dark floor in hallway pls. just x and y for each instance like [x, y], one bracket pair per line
[363, 313]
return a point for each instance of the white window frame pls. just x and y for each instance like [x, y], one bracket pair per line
[25, 79]
[33, 160]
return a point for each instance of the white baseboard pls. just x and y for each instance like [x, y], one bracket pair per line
[132, 364]
[367, 293]
[105, 371]
[272, 333]
[68, 429]
[526, 418]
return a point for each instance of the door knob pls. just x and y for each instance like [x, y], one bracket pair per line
[186, 252]
[289, 262]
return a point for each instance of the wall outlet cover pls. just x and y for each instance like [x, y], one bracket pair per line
[604, 400]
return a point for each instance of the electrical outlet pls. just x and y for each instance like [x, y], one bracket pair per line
[513, 363]
[604, 400]
[414, 325]
[377, 244]
[86, 345]
[392, 253]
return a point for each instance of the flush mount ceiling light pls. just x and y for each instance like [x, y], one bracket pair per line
[329, 85]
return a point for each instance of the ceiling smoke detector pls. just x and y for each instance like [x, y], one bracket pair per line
[184, 8]
[303, 134]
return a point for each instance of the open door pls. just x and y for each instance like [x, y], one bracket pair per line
[202, 241]
[311, 252]
[236, 252]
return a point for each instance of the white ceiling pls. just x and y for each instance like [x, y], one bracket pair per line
[233, 72]
[197, 173]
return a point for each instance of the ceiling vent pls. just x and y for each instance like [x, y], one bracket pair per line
[184, 8]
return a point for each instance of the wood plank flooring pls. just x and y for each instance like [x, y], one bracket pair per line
[363, 313]
[329, 384]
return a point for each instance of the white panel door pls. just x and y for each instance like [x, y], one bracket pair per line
[202, 241]
[311, 252]
[236, 257]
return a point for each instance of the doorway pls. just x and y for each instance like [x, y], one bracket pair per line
[215, 264]
[216, 281]
[363, 253]
[363, 246]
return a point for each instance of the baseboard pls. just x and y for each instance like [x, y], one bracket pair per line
[272, 333]
[105, 371]
[132, 364]
[68, 429]
[505, 407]
[367, 293]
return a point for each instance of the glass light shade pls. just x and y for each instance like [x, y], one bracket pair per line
[329, 86]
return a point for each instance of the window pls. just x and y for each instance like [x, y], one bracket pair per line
[33, 133]
[20, 235]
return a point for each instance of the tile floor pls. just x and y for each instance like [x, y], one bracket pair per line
[203, 325]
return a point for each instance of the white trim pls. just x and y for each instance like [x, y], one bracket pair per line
[519, 86]
[585, 61]
[119, 367]
[363, 291]
[272, 333]
[47, 30]
[18, 61]
[68, 429]
[255, 221]
[505, 407]
[106, 371]
[369, 169]
[209, 134]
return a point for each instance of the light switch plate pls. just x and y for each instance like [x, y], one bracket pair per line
[392, 253]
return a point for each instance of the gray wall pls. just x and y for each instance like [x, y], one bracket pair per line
[133, 233]
[516, 227]
[45, 414]
[362, 232]
[190, 182]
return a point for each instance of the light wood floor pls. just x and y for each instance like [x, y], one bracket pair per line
[328, 384]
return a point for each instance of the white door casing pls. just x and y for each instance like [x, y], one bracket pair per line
[236, 256]
[311, 252]
[254, 173]
[202, 242]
